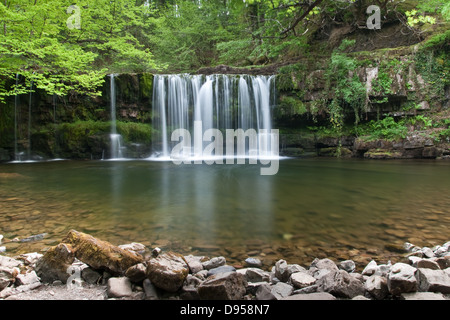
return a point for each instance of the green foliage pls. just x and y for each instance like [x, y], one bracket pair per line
[343, 81]
[386, 128]
[37, 43]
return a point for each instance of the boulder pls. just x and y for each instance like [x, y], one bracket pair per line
[422, 296]
[150, 290]
[347, 265]
[136, 273]
[54, 264]
[7, 276]
[433, 280]
[101, 254]
[214, 263]
[253, 262]
[311, 296]
[167, 271]
[119, 287]
[426, 263]
[194, 263]
[283, 270]
[401, 279]
[377, 286]
[27, 278]
[256, 275]
[221, 269]
[223, 286]
[302, 280]
[340, 284]
[281, 290]
[90, 275]
[8, 262]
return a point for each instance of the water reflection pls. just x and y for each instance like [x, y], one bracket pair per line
[308, 205]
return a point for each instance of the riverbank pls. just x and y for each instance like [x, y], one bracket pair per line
[82, 267]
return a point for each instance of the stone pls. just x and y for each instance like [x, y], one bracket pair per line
[301, 280]
[119, 287]
[422, 296]
[136, 273]
[370, 269]
[427, 252]
[443, 262]
[221, 269]
[30, 258]
[311, 296]
[223, 286]
[256, 275]
[214, 263]
[8, 262]
[326, 263]
[408, 246]
[189, 290]
[281, 290]
[426, 263]
[54, 264]
[401, 279]
[90, 275]
[264, 292]
[252, 287]
[377, 286]
[283, 270]
[7, 276]
[155, 252]
[253, 262]
[340, 284]
[167, 271]
[433, 280]
[194, 263]
[310, 289]
[347, 265]
[100, 254]
[150, 290]
[441, 251]
[27, 278]
[136, 248]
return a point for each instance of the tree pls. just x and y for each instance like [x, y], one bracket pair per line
[36, 41]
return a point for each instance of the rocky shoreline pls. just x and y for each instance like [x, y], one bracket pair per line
[82, 267]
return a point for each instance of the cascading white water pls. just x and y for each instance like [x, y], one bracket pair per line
[17, 156]
[115, 138]
[218, 101]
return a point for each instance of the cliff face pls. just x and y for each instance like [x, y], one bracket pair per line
[389, 101]
[78, 127]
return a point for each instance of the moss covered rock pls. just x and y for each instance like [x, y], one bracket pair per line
[101, 254]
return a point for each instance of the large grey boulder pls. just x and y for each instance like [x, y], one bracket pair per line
[301, 280]
[119, 287]
[401, 279]
[433, 280]
[283, 270]
[167, 271]
[340, 284]
[377, 286]
[223, 286]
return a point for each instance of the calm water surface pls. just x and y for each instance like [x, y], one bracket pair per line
[345, 209]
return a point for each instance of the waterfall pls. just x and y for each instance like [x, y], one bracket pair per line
[16, 121]
[29, 121]
[218, 101]
[115, 138]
